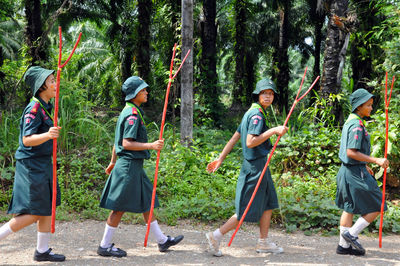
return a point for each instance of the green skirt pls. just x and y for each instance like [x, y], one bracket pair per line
[357, 191]
[265, 198]
[33, 186]
[128, 188]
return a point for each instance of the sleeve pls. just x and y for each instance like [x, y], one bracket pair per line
[131, 126]
[238, 129]
[31, 121]
[256, 125]
[354, 136]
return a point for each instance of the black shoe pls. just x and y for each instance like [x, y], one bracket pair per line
[108, 252]
[349, 251]
[169, 243]
[47, 256]
[352, 240]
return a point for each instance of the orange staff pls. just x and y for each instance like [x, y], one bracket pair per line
[272, 152]
[53, 204]
[387, 102]
[171, 78]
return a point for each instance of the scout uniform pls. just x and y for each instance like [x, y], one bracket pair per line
[128, 188]
[357, 190]
[255, 122]
[33, 181]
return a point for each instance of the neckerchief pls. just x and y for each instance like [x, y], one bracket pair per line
[41, 105]
[258, 106]
[353, 116]
[129, 104]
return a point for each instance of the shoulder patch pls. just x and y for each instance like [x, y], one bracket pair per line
[134, 111]
[35, 108]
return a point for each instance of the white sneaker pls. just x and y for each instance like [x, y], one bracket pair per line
[264, 246]
[213, 245]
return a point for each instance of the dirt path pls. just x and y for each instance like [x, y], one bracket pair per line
[78, 241]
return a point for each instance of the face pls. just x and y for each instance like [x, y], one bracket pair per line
[49, 88]
[366, 108]
[141, 97]
[266, 97]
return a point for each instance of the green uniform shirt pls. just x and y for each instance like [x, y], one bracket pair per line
[254, 123]
[35, 120]
[354, 136]
[130, 125]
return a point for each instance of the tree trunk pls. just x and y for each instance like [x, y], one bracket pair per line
[187, 74]
[283, 75]
[317, 57]
[33, 31]
[335, 41]
[143, 36]
[208, 61]
[239, 50]
[126, 43]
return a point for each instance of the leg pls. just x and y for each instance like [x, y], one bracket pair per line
[229, 225]
[351, 235]
[214, 238]
[106, 248]
[370, 217]
[43, 235]
[346, 219]
[265, 222]
[146, 217]
[21, 221]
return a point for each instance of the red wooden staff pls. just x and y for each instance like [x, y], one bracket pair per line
[171, 78]
[272, 152]
[387, 102]
[53, 205]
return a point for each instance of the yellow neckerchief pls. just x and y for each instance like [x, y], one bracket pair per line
[353, 116]
[37, 100]
[258, 106]
[129, 104]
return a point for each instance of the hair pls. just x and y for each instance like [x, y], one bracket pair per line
[41, 89]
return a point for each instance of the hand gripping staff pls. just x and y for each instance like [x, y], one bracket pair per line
[54, 199]
[272, 152]
[387, 102]
[171, 78]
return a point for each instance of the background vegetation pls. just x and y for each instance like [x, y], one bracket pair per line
[249, 40]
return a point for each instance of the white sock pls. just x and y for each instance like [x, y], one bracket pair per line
[107, 236]
[5, 231]
[360, 224]
[43, 239]
[342, 242]
[156, 232]
[218, 235]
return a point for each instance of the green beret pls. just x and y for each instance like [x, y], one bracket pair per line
[36, 76]
[264, 84]
[132, 86]
[359, 97]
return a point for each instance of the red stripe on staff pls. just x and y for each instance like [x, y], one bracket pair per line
[54, 196]
[153, 196]
[387, 102]
[272, 152]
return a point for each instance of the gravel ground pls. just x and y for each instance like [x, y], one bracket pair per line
[78, 241]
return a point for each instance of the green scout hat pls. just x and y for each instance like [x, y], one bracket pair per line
[36, 76]
[132, 86]
[359, 97]
[264, 84]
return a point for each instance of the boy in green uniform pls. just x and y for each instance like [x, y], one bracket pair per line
[254, 134]
[128, 188]
[357, 190]
[32, 192]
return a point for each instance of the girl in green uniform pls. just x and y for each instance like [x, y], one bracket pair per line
[254, 134]
[32, 192]
[357, 190]
[128, 188]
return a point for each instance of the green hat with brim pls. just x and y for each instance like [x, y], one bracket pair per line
[132, 86]
[264, 84]
[36, 76]
[359, 97]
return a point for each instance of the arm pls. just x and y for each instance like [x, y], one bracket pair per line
[213, 166]
[37, 139]
[356, 155]
[255, 140]
[132, 145]
[112, 162]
